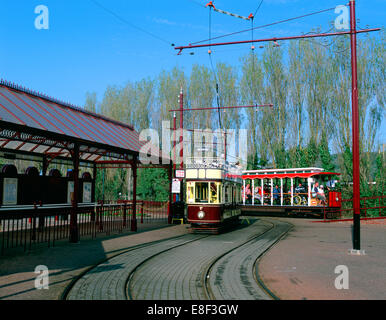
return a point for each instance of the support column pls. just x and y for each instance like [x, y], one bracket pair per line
[170, 176]
[281, 191]
[292, 191]
[74, 232]
[174, 149]
[243, 192]
[271, 192]
[355, 131]
[309, 191]
[253, 192]
[262, 192]
[94, 175]
[134, 215]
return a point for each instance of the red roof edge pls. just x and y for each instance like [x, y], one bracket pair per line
[19, 88]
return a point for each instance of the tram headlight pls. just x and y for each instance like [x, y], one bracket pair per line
[201, 214]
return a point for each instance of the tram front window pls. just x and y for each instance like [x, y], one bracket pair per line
[201, 192]
[215, 192]
[190, 192]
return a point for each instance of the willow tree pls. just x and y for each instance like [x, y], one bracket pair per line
[201, 94]
[251, 93]
[274, 123]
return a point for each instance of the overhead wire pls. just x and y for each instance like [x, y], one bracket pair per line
[266, 25]
[131, 24]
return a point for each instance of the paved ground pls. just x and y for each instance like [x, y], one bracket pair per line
[66, 261]
[170, 270]
[232, 276]
[302, 265]
[179, 274]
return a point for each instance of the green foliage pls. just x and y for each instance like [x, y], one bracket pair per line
[325, 155]
[153, 184]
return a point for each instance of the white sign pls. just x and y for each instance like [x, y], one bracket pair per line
[70, 191]
[10, 191]
[180, 173]
[87, 186]
[176, 186]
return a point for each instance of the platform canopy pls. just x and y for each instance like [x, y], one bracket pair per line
[32, 123]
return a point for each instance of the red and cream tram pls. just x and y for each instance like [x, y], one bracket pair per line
[213, 195]
[290, 190]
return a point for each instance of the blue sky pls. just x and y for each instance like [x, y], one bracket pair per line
[86, 48]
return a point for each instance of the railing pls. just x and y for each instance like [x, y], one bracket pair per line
[299, 199]
[371, 208]
[149, 211]
[28, 226]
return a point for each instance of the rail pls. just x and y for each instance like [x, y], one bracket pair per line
[371, 208]
[26, 227]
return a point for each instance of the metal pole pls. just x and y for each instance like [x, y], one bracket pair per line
[281, 191]
[331, 34]
[221, 108]
[253, 192]
[181, 128]
[244, 192]
[134, 216]
[170, 176]
[225, 147]
[181, 198]
[174, 151]
[355, 129]
[74, 235]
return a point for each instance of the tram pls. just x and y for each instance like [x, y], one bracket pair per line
[213, 194]
[291, 191]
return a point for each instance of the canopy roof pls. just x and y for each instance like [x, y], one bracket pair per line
[288, 175]
[33, 123]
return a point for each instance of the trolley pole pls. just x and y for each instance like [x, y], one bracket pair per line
[355, 130]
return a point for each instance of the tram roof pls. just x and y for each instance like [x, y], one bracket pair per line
[274, 175]
[32, 123]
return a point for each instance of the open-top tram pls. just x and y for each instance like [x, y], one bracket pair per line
[301, 191]
[213, 194]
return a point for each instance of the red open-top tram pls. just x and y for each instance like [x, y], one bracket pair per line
[290, 191]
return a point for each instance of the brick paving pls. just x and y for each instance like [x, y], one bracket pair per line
[302, 265]
[232, 276]
[67, 261]
[107, 280]
[178, 274]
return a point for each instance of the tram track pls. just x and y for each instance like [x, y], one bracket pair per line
[178, 268]
[84, 286]
[206, 276]
[241, 263]
[131, 274]
[176, 275]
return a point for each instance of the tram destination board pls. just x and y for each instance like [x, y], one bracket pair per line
[180, 173]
